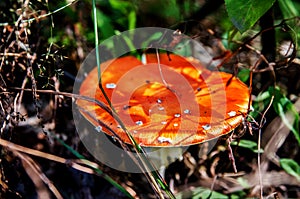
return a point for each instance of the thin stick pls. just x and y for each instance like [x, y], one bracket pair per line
[96, 39]
[259, 147]
[230, 153]
[160, 70]
[37, 170]
[16, 147]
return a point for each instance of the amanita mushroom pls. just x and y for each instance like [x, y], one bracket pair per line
[173, 101]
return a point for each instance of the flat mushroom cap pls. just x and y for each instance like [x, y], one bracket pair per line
[177, 104]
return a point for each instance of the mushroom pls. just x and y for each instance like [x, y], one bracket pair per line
[165, 102]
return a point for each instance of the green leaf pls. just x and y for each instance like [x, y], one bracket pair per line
[232, 34]
[121, 9]
[260, 103]
[243, 182]
[288, 8]
[291, 167]
[200, 192]
[131, 20]
[156, 36]
[104, 24]
[238, 195]
[245, 13]
[243, 75]
[248, 144]
[282, 105]
[121, 6]
[128, 41]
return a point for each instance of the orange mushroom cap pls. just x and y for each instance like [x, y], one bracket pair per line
[195, 106]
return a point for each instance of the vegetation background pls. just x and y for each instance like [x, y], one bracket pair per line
[43, 43]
